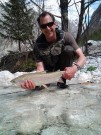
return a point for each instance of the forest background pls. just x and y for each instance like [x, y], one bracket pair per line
[18, 27]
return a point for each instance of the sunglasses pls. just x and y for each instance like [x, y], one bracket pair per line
[44, 26]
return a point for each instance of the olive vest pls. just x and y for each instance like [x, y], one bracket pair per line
[50, 54]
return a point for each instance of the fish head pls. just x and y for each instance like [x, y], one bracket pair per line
[13, 81]
[16, 81]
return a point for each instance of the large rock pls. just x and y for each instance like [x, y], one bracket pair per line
[72, 111]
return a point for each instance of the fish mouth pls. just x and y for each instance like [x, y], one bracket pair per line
[12, 81]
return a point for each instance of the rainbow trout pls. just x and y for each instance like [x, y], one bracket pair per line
[39, 78]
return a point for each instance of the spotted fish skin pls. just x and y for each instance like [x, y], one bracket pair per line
[39, 78]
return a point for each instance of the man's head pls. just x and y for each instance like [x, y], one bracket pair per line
[47, 24]
[43, 14]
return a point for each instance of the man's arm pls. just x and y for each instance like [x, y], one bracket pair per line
[81, 57]
[70, 71]
[40, 66]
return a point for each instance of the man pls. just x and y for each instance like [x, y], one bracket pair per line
[54, 50]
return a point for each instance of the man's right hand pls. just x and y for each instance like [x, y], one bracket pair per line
[28, 84]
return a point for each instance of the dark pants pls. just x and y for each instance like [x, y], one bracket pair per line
[65, 59]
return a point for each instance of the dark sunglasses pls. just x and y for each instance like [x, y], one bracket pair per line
[44, 26]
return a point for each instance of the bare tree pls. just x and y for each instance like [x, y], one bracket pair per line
[41, 7]
[64, 13]
[84, 6]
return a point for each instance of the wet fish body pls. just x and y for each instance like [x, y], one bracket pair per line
[39, 78]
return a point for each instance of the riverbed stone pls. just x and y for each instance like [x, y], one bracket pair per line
[72, 111]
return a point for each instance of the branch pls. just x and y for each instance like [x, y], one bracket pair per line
[90, 2]
[42, 9]
[75, 3]
[76, 7]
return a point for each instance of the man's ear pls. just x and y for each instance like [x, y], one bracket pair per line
[54, 23]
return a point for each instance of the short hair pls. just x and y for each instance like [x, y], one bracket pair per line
[43, 14]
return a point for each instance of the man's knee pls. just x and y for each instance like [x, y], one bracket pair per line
[69, 50]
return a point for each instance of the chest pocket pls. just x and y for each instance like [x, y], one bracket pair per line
[53, 49]
[56, 48]
[44, 52]
[50, 55]
[46, 57]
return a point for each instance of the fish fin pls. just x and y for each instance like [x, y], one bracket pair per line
[45, 86]
[43, 72]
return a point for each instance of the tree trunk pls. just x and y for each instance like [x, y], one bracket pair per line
[80, 21]
[64, 14]
[19, 44]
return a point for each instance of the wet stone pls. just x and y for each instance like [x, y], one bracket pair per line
[73, 111]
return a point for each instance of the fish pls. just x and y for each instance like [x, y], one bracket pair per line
[39, 78]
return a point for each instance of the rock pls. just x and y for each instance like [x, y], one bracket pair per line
[72, 111]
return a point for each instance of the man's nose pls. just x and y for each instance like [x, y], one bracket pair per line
[47, 27]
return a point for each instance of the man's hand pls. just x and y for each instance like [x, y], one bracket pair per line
[70, 72]
[28, 84]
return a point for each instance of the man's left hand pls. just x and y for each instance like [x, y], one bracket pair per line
[70, 72]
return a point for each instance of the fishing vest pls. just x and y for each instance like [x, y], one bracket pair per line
[50, 55]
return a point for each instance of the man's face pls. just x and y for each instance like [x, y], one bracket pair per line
[48, 26]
